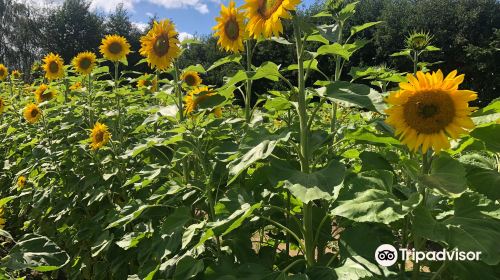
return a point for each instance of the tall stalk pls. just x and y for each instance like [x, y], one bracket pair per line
[338, 71]
[118, 102]
[91, 110]
[178, 91]
[248, 88]
[307, 223]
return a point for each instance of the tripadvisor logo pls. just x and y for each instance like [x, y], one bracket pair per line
[387, 255]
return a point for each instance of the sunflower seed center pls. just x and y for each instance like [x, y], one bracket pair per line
[232, 29]
[99, 137]
[85, 63]
[161, 45]
[268, 7]
[53, 67]
[34, 113]
[115, 48]
[190, 80]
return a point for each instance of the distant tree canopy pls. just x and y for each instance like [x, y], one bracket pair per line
[467, 31]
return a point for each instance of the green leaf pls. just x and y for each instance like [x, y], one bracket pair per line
[264, 146]
[354, 94]
[402, 53]
[447, 175]
[475, 226]
[35, 252]
[357, 267]
[197, 68]
[177, 220]
[235, 58]
[376, 206]
[187, 268]
[130, 217]
[330, 33]
[489, 135]
[358, 28]
[364, 135]
[318, 38]
[347, 11]
[322, 184]
[268, 70]
[334, 49]
[281, 40]
[484, 181]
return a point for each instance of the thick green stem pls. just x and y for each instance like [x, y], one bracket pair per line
[118, 102]
[338, 71]
[415, 62]
[91, 110]
[178, 92]
[248, 88]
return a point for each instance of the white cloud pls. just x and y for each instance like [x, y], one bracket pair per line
[150, 14]
[173, 4]
[110, 5]
[184, 35]
[142, 26]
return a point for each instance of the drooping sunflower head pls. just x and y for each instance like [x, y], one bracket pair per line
[2, 105]
[160, 45]
[194, 97]
[428, 109]
[418, 40]
[76, 86]
[15, 74]
[114, 47]
[84, 62]
[230, 28]
[99, 136]
[191, 78]
[53, 66]
[3, 72]
[265, 16]
[21, 182]
[44, 93]
[32, 113]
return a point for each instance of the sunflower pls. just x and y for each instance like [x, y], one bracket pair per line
[21, 182]
[84, 62]
[76, 86]
[3, 72]
[429, 108]
[217, 112]
[114, 47]
[32, 113]
[191, 78]
[15, 74]
[161, 45]
[2, 105]
[264, 16]
[418, 40]
[148, 83]
[230, 28]
[53, 66]
[44, 93]
[194, 97]
[99, 136]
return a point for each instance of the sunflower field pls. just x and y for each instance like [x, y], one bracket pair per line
[108, 173]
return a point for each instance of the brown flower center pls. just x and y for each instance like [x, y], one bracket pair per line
[429, 111]
[232, 29]
[53, 67]
[268, 7]
[161, 46]
[2, 72]
[190, 80]
[115, 48]
[85, 63]
[34, 113]
[99, 136]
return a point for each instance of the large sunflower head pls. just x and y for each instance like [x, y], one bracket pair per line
[32, 113]
[265, 16]
[194, 97]
[84, 62]
[230, 28]
[99, 136]
[428, 109]
[2, 105]
[44, 93]
[53, 66]
[191, 78]
[3, 72]
[160, 45]
[114, 47]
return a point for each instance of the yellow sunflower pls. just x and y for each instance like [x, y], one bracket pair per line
[148, 83]
[429, 108]
[114, 47]
[15, 74]
[84, 62]
[99, 136]
[21, 182]
[264, 16]
[2, 105]
[191, 78]
[3, 72]
[32, 113]
[230, 28]
[161, 45]
[53, 66]
[76, 86]
[196, 96]
[44, 93]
